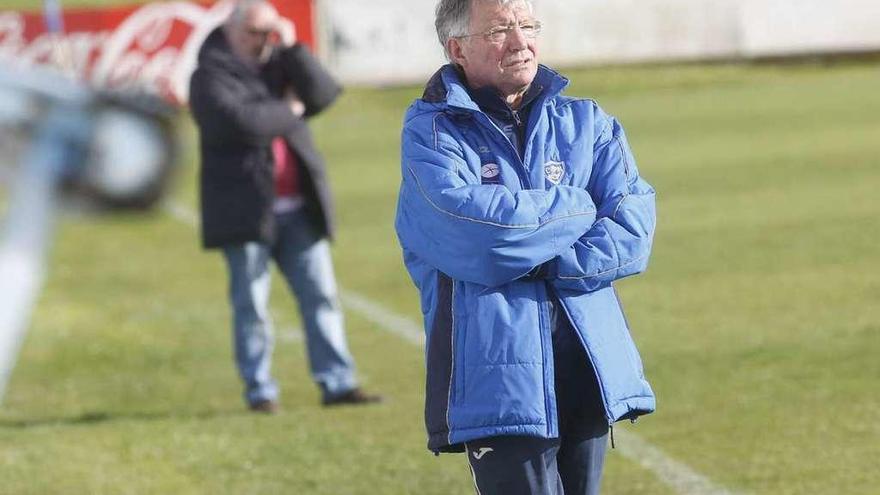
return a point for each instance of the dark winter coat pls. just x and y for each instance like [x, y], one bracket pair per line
[239, 110]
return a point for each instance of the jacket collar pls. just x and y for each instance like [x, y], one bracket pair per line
[491, 102]
[217, 53]
[447, 86]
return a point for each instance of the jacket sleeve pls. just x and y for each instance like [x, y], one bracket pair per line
[619, 242]
[478, 233]
[313, 84]
[223, 110]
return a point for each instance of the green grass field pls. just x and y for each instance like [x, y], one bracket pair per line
[758, 319]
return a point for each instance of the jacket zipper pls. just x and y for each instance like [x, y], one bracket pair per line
[524, 181]
[544, 315]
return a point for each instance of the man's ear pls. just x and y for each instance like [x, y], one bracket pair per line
[455, 49]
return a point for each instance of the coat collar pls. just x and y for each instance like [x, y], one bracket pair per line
[217, 53]
[447, 86]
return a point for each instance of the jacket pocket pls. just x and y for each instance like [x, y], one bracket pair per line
[459, 336]
[500, 338]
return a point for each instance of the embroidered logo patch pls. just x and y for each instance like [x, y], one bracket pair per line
[490, 171]
[554, 171]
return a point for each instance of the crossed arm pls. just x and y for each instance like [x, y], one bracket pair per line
[226, 109]
[619, 242]
[489, 235]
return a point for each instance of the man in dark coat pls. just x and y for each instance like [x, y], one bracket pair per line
[264, 194]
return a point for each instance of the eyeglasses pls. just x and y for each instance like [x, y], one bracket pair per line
[259, 33]
[499, 34]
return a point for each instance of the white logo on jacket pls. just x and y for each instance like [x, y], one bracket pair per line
[554, 171]
[490, 171]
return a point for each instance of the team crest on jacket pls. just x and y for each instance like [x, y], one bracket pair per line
[554, 171]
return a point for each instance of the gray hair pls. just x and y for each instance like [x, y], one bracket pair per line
[242, 8]
[453, 17]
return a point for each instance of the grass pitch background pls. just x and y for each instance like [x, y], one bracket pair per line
[758, 319]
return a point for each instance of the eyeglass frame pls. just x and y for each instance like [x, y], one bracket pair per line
[261, 33]
[506, 30]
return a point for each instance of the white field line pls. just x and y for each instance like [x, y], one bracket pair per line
[289, 334]
[678, 476]
[400, 326]
[181, 213]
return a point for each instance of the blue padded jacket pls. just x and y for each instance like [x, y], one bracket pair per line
[489, 238]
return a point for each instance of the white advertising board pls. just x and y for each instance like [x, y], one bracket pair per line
[379, 42]
[612, 31]
[790, 27]
[393, 41]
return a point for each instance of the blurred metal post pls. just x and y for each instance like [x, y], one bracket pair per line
[115, 150]
[112, 148]
[30, 218]
[53, 15]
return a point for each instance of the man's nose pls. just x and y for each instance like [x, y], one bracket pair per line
[516, 39]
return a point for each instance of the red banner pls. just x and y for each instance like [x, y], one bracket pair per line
[150, 47]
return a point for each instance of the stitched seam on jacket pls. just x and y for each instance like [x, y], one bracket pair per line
[452, 360]
[640, 258]
[625, 160]
[498, 425]
[495, 365]
[619, 204]
[493, 224]
[625, 400]
[436, 133]
[575, 100]
[617, 253]
[630, 397]
[608, 123]
[447, 433]
[626, 173]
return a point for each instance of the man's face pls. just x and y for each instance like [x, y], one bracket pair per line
[510, 65]
[250, 37]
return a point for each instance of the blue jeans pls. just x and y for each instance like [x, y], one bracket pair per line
[303, 257]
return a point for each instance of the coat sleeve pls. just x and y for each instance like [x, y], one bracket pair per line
[478, 233]
[314, 85]
[619, 242]
[223, 110]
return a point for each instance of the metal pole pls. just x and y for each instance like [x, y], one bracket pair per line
[62, 55]
[27, 234]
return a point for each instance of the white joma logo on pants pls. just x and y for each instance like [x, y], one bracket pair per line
[480, 453]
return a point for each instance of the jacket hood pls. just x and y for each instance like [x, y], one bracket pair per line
[446, 88]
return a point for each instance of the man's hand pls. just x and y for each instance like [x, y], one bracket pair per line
[286, 31]
[295, 104]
